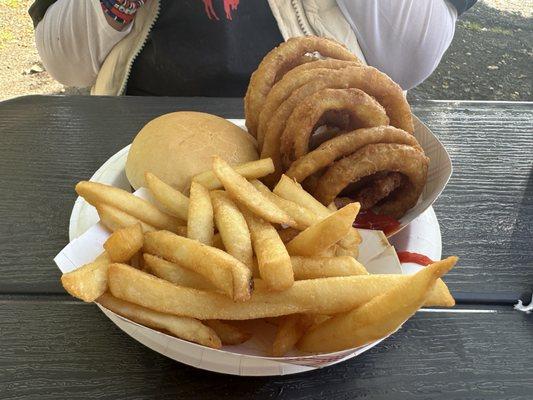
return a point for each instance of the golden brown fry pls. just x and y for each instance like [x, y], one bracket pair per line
[228, 333]
[379, 317]
[272, 258]
[246, 194]
[232, 226]
[124, 243]
[325, 233]
[323, 267]
[173, 201]
[250, 170]
[226, 272]
[115, 219]
[200, 223]
[293, 191]
[96, 193]
[88, 282]
[315, 296]
[290, 330]
[182, 327]
[303, 217]
[176, 274]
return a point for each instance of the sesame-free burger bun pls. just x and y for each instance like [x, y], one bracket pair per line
[177, 146]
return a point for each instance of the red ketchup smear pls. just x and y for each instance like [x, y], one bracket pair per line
[369, 220]
[420, 259]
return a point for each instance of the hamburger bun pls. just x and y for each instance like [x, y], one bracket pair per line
[177, 146]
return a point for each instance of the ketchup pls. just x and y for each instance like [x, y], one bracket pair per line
[420, 259]
[369, 220]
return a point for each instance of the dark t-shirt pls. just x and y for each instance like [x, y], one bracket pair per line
[204, 48]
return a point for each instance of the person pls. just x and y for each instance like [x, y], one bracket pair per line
[210, 47]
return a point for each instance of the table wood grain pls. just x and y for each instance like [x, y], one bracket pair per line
[49, 143]
[54, 349]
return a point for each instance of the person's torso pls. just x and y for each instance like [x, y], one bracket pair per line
[204, 48]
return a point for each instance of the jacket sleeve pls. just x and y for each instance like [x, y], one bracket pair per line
[73, 40]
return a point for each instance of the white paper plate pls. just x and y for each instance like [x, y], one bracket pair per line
[422, 235]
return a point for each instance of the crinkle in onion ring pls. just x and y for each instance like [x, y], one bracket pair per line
[324, 107]
[280, 60]
[292, 80]
[344, 145]
[371, 159]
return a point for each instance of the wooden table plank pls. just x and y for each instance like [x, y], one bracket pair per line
[486, 211]
[48, 143]
[70, 350]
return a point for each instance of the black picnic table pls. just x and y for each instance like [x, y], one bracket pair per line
[55, 347]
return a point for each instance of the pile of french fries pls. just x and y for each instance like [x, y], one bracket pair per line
[194, 266]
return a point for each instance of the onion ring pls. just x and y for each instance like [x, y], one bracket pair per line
[344, 145]
[388, 93]
[374, 158]
[292, 80]
[363, 111]
[281, 59]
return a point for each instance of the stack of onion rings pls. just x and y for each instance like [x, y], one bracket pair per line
[369, 151]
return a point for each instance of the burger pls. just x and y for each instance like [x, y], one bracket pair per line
[177, 146]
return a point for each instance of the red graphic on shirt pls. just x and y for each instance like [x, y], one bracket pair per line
[229, 5]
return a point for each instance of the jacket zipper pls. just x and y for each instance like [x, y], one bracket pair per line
[298, 13]
[138, 51]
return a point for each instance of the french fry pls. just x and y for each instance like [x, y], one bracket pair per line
[246, 194]
[325, 233]
[331, 251]
[96, 193]
[115, 219]
[290, 330]
[323, 267]
[352, 251]
[182, 327]
[228, 333]
[379, 317]
[227, 273]
[173, 201]
[232, 227]
[293, 191]
[315, 296]
[176, 274]
[303, 217]
[273, 259]
[88, 282]
[250, 170]
[124, 243]
[200, 224]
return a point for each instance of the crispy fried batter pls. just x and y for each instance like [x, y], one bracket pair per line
[292, 80]
[361, 110]
[344, 145]
[374, 158]
[282, 58]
